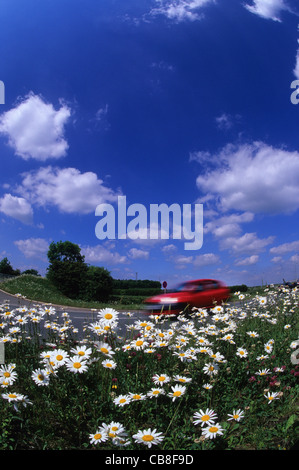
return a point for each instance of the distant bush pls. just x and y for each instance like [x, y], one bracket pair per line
[240, 288]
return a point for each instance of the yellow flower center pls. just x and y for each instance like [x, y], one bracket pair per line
[161, 379]
[98, 436]
[177, 393]
[122, 400]
[12, 395]
[77, 365]
[205, 418]
[114, 428]
[137, 397]
[147, 437]
[59, 357]
[213, 429]
[104, 350]
[235, 416]
[6, 374]
[108, 316]
[139, 342]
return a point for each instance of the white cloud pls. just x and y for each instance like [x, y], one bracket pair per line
[253, 259]
[67, 188]
[285, 248]
[33, 247]
[100, 254]
[296, 69]
[268, 9]
[136, 253]
[35, 130]
[206, 259]
[16, 207]
[256, 178]
[180, 10]
[247, 243]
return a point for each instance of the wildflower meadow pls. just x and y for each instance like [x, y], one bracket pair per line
[210, 380]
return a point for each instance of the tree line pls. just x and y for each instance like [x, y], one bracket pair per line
[76, 279]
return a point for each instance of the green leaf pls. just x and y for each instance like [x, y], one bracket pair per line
[290, 422]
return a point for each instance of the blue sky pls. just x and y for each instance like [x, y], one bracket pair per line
[161, 101]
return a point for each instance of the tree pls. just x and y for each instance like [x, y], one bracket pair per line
[67, 269]
[6, 268]
[98, 284]
[33, 272]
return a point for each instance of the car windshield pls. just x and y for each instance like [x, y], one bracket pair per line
[189, 287]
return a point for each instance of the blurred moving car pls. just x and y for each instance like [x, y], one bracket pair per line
[200, 293]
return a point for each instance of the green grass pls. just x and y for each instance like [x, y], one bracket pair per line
[41, 289]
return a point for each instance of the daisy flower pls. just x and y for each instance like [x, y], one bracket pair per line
[268, 347]
[241, 352]
[272, 396]
[122, 400]
[177, 391]
[8, 373]
[217, 309]
[253, 334]
[108, 314]
[137, 396]
[207, 386]
[109, 364]
[236, 416]
[161, 379]
[76, 364]
[262, 300]
[155, 392]
[205, 417]
[114, 429]
[139, 344]
[12, 396]
[181, 379]
[212, 431]
[40, 377]
[148, 437]
[263, 372]
[99, 436]
[105, 348]
[82, 351]
[210, 369]
[260, 358]
[59, 357]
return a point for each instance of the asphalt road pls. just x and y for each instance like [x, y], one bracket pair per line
[78, 315]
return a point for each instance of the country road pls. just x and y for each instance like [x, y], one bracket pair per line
[79, 315]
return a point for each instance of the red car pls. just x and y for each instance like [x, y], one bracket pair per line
[201, 293]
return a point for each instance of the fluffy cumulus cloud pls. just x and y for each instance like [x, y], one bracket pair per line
[136, 253]
[253, 259]
[35, 129]
[268, 9]
[285, 248]
[17, 208]
[180, 10]
[33, 247]
[66, 188]
[254, 178]
[102, 254]
[247, 243]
